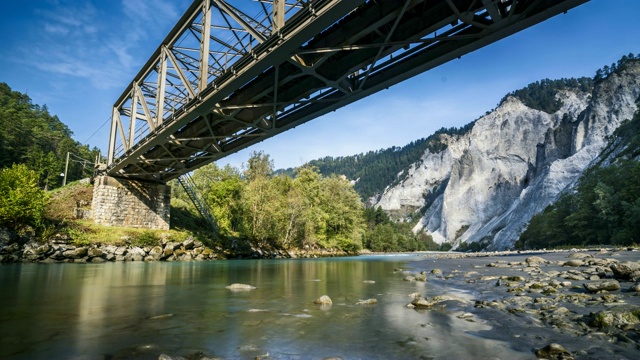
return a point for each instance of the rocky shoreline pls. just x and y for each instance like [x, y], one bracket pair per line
[588, 301]
[57, 252]
[15, 250]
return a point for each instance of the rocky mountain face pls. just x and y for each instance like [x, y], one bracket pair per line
[487, 184]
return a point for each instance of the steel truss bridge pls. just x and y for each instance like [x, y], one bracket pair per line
[228, 76]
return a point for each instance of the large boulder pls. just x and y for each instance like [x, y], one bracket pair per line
[620, 317]
[7, 236]
[95, 252]
[76, 253]
[626, 270]
[156, 253]
[535, 260]
[137, 253]
[607, 285]
[188, 244]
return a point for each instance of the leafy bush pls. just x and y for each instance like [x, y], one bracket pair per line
[79, 237]
[22, 202]
[147, 238]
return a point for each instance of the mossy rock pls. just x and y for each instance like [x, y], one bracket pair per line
[623, 318]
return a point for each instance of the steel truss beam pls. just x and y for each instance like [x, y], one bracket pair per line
[222, 80]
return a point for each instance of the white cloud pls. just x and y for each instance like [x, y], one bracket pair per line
[90, 42]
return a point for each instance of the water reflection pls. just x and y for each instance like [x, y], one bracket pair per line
[139, 310]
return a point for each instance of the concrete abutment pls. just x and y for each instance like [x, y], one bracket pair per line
[130, 203]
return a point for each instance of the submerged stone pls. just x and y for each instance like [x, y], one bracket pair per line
[240, 287]
[554, 351]
[367, 302]
[323, 300]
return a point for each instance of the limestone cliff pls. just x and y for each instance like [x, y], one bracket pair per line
[487, 184]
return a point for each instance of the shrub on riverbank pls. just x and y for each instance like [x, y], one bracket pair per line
[22, 202]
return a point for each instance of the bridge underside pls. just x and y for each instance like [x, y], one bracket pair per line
[324, 57]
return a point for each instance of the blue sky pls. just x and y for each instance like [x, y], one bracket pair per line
[77, 56]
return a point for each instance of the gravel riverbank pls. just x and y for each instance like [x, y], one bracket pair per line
[588, 302]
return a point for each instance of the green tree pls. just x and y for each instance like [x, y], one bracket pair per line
[22, 202]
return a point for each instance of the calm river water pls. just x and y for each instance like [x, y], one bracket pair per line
[141, 310]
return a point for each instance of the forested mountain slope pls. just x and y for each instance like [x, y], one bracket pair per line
[374, 171]
[30, 135]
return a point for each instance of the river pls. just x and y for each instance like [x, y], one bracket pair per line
[141, 310]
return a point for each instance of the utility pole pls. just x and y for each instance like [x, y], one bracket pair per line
[66, 167]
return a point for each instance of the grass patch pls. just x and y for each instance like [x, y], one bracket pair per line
[63, 200]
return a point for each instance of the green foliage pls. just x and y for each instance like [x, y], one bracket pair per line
[616, 67]
[475, 246]
[30, 135]
[541, 95]
[79, 237]
[375, 170]
[147, 238]
[22, 202]
[384, 235]
[605, 209]
[445, 246]
[278, 211]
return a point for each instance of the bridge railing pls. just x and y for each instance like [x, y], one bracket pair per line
[205, 44]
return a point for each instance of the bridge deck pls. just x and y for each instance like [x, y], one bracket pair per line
[327, 55]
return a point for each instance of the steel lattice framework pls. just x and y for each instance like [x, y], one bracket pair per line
[223, 80]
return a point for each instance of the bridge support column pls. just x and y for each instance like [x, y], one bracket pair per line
[128, 203]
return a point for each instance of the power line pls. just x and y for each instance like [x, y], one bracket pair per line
[101, 126]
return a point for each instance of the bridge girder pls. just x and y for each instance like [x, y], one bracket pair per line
[222, 81]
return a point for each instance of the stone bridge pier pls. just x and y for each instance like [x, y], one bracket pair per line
[129, 203]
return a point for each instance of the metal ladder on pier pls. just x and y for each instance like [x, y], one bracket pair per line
[189, 187]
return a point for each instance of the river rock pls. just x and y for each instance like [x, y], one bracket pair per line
[535, 260]
[608, 285]
[156, 252]
[188, 244]
[94, 252]
[323, 300]
[573, 263]
[208, 253]
[625, 270]
[7, 236]
[75, 253]
[185, 256]
[579, 255]
[168, 246]
[367, 302]
[421, 277]
[240, 287]
[554, 351]
[620, 317]
[167, 357]
[436, 272]
[422, 303]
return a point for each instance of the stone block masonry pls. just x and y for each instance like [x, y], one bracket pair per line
[128, 203]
